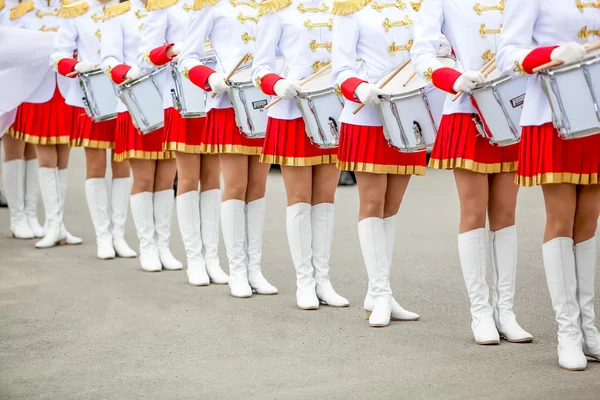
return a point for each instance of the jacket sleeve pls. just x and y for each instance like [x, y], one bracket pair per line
[200, 27]
[264, 72]
[111, 46]
[152, 50]
[516, 39]
[344, 72]
[64, 47]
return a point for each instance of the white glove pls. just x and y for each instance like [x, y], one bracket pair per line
[368, 94]
[286, 89]
[445, 48]
[134, 73]
[568, 53]
[176, 48]
[216, 81]
[85, 66]
[467, 81]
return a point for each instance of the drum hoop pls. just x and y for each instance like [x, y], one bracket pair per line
[494, 82]
[570, 67]
[93, 72]
[150, 75]
[315, 93]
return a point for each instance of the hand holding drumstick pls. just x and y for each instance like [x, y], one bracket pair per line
[233, 71]
[302, 83]
[562, 58]
[487, 69]
[381, 86]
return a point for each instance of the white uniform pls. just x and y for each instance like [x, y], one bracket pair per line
[472, 31]
[121, 38]
[163, 25]
[532, 21]
[381, 34]
[302, 32]
[229, 25]
[82, 33]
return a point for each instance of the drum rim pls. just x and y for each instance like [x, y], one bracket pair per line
[592, 59]
[495, 82]
[386, 73]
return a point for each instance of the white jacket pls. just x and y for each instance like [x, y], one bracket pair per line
[472, 28]
[381, 34]
[302, 31]
[535, 23]
[226, 23]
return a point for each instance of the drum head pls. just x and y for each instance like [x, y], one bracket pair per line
[396, 85]
[322, 81]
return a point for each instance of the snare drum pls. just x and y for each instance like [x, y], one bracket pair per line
[99, 95]
[143, 98]
[188, 98]
[321, 108]
[249, 104]
[499, 103]
[412, 113]
[573, 92]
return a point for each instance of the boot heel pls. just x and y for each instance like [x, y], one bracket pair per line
[368, 314]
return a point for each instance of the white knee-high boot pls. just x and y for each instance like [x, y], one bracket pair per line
[559, 264]
[503, 256]
[299, 233]
[188, 215]
[322, 221]
[119, 203]
[473, 261]
[585, 264]
[373, 244]
[398, 312]
[210, 217]
[32, 189]
[51, 197]
[255, 222]
[233, 225]
[13, 176]
[142, 211]
[63, 182]
[97, 199]
[163, 215]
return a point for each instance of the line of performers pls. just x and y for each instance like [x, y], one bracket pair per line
[128, 40]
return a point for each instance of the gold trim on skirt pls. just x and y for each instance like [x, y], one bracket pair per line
[418, 170]
[473, 166]
[557, 177]
[298, 161]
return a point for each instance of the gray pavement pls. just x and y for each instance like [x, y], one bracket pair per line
[74, 327]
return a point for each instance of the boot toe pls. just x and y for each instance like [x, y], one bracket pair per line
[240, 290]
[22, 231]
[123, 250]
[169, 262]
[485, 332]
[400, 314]
[572, 359]
[513, 333]
[216, 274]
[329, 297]
[197, 277]
[307, 299]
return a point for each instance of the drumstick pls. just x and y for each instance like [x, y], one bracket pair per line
[410, 78]
[588, 48]
[228, 77]
[72, 74]
[302, 83]
[483, 70]
[385, 82]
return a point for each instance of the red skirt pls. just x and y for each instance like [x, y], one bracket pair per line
[48, 123]
[93, 135]
[365, 149]
[546, 158]
[183, 134]
[286, 143]
[130, 143]
[459, 145]
[222, 136]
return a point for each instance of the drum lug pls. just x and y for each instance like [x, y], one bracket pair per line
[418, 133]
[86, 106]
[480, 127]
[176, 100]
[333, 129]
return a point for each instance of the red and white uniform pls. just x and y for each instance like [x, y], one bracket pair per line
[472, 31]
[119, 51]
[545, 157]
[302, 32]
[167, 22]
[359, 32]
[45, 118]
[80, 31]
[226, 24]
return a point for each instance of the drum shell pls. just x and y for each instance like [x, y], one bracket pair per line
[499, 104]
[144, 101]
[573, 91]
[249, 105]
[321, 112]
[100, 96]
[408, 119]
[188, 98]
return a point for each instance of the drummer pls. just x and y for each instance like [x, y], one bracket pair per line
[46, 121]
[484, 173]
[153, 169]
[382, 173]
[230, 25]
[567, 170]
[20, 165]
[309, 173]
[167, 22]
[81, 31]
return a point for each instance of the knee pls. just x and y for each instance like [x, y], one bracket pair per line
[120, 169]
[391, 208]
[300, 197]
[502, 218]
[559, 226]
[585, 228]
[143, 184]
[372, 206]
[210, 179]
[186, 184]
[95, 171]
[236, 190]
